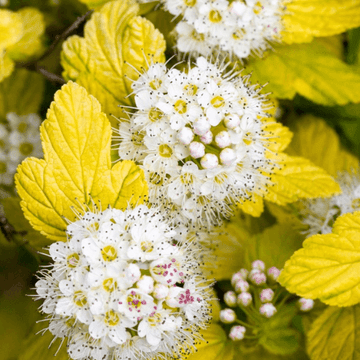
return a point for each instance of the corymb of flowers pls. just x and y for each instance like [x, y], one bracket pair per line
[236, 27]
[200, 137]
[125, 285]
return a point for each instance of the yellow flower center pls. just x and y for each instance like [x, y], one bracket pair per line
[26, 149]
[155, 320]
[217, 101]
[109, 253]
[109, 284]
[72, 260]
[3, 168]
[197, 36]
[156, 179]
[138, 138]
[180, 106]
[155, 84]
[112, 318]
[146, 246]
[190, 89]
[165, 150]
[155, 114]
[190, 2]
[238, 34]
[22, 127]
[80, 298]
[257, 8]
[187, 178]
[215, 16]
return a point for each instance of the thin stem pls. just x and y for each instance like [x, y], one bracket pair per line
[245, 324]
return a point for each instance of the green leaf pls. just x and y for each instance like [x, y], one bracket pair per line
[334, 334]
[309, 70]
[328, 266]
[117, 46]
[76, 169]
[21, 93]
[353, 53]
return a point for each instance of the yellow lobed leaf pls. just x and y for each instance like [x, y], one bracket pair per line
[30, 44]
[280, 136]
[328, 266]
[117, 45]
[328, 152]
[253, 206]
[6, 66]
[306, 19]
[334, 334]
[11, 28]
[77, 168]
[309, 70]
[94, 4]
[299, 178]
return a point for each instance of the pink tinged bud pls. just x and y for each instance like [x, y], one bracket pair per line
[244, 273]
[232, 121]
[266, 295]
[209, 161]
[227, 156]
[197, 149]
[258, 264]
[244, 299]
[201, 127]
[207, 137]
[230, 298]
[186, 136]
[160, 291]
[258, 279]
[146, 284]
[242, 286]
[227, 316]
[268, 310]
[132, 273]
[236, 277]
[273, 273]
[222, 139]
[237, 333]
[305, 304]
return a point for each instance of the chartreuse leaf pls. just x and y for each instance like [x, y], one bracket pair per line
[94, 4]
[334, 334]
[116, 47]
[328, 266]
[215, 347]
[328, 152]
[308, 18]
[22, 93]
[77, 169]
[299, 178]
[11, 28]
[309, 70]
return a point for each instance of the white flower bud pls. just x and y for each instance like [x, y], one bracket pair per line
[237, 333]
[207, 137]
[227, 156]
[305, 304]
[146, 284]
[186, 136]
[247, 123]
[232, 121]
[266, 295]
[227, 316]
[258, 278]
[222, 139]
[273, 273]
[230, 298]
[268, 310]
[241, 286]
[132, 273]
[238, 276]
[160, 291]
[258, 264]
[197, 149]
[209, 161]
[201, 127]
[244, 299]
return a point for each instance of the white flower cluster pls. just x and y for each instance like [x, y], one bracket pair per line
[200, 137]
[19, 139]
[240, 27]
[320, 214]
[125, 286]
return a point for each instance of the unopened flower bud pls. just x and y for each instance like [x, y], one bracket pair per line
[268, 310]
[201, 127]
[258, 264]
[266, 295]
[237, 333]
[258, 278]
[160, 291]
[230, 298]
[232, 121]
[197, 149]
[222, 139]
[132, 273]
[244, 299]
[238, 276]
[207, 137]
[273, 273]
[227, 316]
[146, 284]
[186, 136]
[227, 156]
[241, 286]
[209, 161]
[306, 304]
